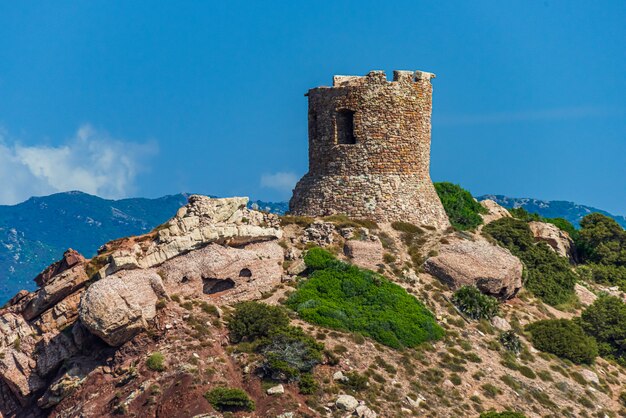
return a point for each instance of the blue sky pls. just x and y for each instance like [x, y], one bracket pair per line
[149, 98]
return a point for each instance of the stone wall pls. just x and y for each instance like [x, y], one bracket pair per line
[380, 168]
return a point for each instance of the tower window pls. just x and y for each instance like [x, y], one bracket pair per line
[345, 127]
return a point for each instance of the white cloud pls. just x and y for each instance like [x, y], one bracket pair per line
[281, 181]
[91, 161]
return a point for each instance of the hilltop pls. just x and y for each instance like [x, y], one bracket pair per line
[340, 317]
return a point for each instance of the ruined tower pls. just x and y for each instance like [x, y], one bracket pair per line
[369, 150]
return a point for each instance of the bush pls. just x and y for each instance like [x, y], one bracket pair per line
[604, 274]
[253, 320]
[510, 341]
[307, 384]
[550, 276]
[288, 353]
[602, 240]
[229, 399]
[605, 320]
[461, 208]
[473, 303]
[317, 259]
[563, 338]
[505, 414]
[523, 215]
[156, 362]
[343, 296]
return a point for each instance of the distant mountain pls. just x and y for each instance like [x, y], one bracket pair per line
[36, 232]
[573, 212]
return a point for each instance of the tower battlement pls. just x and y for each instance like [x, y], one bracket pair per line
[369, 150]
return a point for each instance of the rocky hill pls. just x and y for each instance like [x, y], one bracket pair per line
[571, 211]
[34, 233]
[378, 323]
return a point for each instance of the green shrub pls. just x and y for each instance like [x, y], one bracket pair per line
[289, 353]
[604, 274]
[550, 276]
[156, 362]
[317, 259]
[406, 227]
[602, 240]
[510, 341]
[307, 384]
[473, 303]
[356, 381]
[505, 414]
[342, 296]
[253, 320]
[461, 208]
[563, 338]
[229, 399]
[605, 320]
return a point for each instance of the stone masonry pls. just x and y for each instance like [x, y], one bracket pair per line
[369, 150]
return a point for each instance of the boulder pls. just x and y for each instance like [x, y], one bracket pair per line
[276, 390]
[363, 411]
[494, 211]
[120, 306]
[494, 270]
[557, 239]
[366, 254]
[346, 403]
[69, 260]
[500, 323]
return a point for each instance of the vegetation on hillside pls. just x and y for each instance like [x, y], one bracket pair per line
[342, 296]
[605, 320]
[462, 209]
[229, 399]
[550, 276]
[473, 303]
[602, 241]
[288, 353]
[563, 338]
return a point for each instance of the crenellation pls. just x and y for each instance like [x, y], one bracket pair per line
[369, 150]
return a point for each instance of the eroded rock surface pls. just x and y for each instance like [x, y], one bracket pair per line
[494, 270]
[229, 273]
[366, 254]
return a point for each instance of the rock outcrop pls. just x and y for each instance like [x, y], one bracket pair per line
[201, 222]
[69, 260]
[557, 239]
[494, 211]
[228, 273]
[494, 270]
[120, 306]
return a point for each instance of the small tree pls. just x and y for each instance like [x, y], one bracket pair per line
[473, 303]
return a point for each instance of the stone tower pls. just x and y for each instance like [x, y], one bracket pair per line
[369, 150]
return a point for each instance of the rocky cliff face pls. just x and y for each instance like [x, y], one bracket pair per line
[53, 338]
[79, 345]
